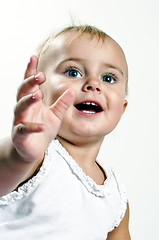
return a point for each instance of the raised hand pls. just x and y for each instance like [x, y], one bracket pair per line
[36, 124]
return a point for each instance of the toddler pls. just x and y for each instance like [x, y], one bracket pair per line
[51, 184]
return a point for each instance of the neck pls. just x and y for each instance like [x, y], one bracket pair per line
[84, 154]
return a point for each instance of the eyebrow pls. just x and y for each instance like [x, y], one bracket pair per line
[70, 59]
[82, 60]
[114, 67]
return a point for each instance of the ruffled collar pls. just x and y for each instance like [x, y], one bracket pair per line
[88, 182]
[30, 185]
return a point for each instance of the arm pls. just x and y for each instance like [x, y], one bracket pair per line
[34, 126]
[122, 231]
[13, 169]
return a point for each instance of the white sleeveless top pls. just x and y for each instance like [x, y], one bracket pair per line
[62, 203]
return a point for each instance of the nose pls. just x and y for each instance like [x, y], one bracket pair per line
[92, 85]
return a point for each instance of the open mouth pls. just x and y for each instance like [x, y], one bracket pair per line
[89, 107]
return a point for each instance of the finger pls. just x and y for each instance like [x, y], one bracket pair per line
[30, 85]
[27, 128]
[24, 105]
[63, 103]
[32, 67]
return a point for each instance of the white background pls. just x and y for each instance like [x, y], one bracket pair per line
[133, 147]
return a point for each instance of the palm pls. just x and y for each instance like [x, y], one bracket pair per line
[36, 143]
[35, 124]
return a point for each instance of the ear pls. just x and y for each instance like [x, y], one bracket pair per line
[124, 105]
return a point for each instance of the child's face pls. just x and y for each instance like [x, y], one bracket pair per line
[97, 71]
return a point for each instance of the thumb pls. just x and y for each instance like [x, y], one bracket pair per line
[62, 104]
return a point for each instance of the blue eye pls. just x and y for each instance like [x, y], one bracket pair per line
[109, 78]
[73, 73]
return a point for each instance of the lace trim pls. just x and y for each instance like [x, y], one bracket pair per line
[32, 184]
[91, 186]
[123, 200]
[88, 182]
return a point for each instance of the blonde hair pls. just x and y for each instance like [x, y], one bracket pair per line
[81, 29]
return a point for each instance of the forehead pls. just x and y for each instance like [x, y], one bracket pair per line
[92, 49]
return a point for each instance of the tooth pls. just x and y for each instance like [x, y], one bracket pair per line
[86, 111]
[90, 103]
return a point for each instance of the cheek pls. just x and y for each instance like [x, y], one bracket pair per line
[117, 103]
[54, 90]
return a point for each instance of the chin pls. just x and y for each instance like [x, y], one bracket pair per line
[83, 133]
[80, 138]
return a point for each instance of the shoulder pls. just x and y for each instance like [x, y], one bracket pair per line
[28, 187]
[120, 197]
[122, 231]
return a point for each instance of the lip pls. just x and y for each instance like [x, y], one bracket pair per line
[89, 113]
